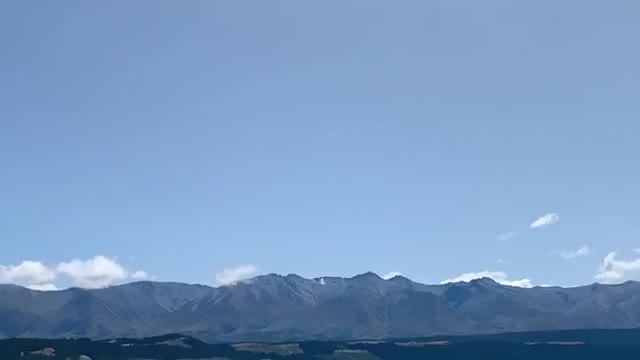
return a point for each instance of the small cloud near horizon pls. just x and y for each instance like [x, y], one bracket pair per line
[42, 287]
[613, 269]
[498, 276]
[27, 273]
[391, 275]
[96, 272]
[230, 276]
[140, 275]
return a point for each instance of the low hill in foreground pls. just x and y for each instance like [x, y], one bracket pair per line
[582, 344]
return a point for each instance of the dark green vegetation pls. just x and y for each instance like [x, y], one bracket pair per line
[584, 344]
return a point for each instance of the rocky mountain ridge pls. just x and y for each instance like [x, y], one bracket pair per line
[277, 308]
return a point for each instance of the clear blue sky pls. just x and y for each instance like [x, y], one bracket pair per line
[331, 137]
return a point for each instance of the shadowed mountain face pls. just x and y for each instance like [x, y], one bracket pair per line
[274, 307]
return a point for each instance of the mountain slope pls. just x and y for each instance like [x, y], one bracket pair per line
[274, 308]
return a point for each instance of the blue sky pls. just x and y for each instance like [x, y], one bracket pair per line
[319, 138]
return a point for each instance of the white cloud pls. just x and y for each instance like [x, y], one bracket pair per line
[466, 277]
[231, 276]
[498, 276]
[27, 272]
[572, 254]
[508, 235]
[140, 275]
[613, 269]
[97, 272]
[42, 287]
[523, 283]
[391, 275]
[92, 273]
[545, 220]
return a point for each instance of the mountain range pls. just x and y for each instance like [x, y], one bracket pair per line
[283, 308]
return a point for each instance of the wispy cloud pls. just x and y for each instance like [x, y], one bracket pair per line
[572, 254]
[501, 261]
[231, 276]
[507, 235]
[140, 275]
[613, 269]
[498, 276]
[391, 275]
[545, 220]
[42, 287]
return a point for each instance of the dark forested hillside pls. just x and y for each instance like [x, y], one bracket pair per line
[585, 344]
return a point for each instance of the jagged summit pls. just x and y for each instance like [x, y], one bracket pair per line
[369, 275]
[399, 278]
[366, 275]
[486, 281]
